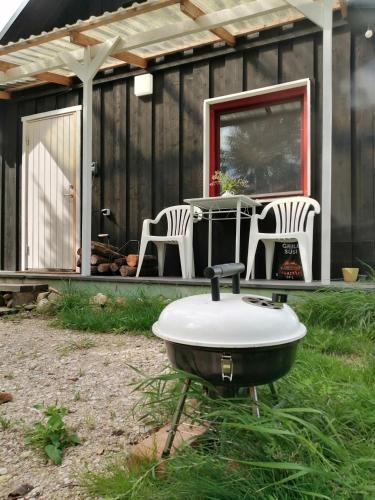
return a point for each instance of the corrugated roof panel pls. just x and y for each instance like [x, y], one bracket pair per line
[9, 58]
[134, 22]
[61, 44]
[63, 72]
[33, 53]
[20, 81]
[139, 24]
[214, 5]
[261, 22]
[188, 41]
[45, 50]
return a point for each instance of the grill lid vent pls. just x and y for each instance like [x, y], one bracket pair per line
[262, 302]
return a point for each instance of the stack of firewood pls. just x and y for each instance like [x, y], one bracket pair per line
[107, 260]
[149, 266]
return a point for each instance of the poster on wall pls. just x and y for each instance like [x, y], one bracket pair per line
[287, 262]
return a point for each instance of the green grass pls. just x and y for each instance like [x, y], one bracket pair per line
[344, 310]
[318, 443]
[75, 310]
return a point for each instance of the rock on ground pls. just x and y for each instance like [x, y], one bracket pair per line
[87, 373]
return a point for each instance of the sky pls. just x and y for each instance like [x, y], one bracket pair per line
[7, 9]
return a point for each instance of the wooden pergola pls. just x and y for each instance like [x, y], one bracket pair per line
[155, 28]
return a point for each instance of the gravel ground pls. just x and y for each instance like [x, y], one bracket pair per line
[87, 374]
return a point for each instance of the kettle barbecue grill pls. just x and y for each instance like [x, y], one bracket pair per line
[232, 340]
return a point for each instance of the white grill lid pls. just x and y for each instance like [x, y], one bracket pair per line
[236, 321]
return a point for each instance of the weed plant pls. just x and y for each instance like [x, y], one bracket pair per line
[5, 423]
[51, 436]
[369, 270]
[76, 345]
[75, 310]
[318, 442]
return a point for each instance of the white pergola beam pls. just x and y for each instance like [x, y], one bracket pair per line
[92, 61]
[45, 64]
[310, 9]
[165, 33]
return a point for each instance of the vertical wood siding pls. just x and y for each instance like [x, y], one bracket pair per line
[149, 149]
[363, 171]
[10, 190]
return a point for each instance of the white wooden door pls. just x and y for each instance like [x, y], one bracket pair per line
[51, 190]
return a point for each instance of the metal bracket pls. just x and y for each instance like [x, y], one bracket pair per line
[94, 168]
[226, 367]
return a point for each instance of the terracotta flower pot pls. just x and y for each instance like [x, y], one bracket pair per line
[350, 274]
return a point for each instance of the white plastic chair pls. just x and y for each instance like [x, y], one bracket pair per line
[294, 222]
[177, 234]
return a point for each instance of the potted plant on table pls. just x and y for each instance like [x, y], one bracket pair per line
[228, 184]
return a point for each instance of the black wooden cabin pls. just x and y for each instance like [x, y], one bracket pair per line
[149, 149]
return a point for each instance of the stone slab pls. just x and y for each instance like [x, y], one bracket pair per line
[20, 287]
[152, 447]
[7, 310]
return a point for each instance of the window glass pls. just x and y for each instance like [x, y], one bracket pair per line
[263, 145]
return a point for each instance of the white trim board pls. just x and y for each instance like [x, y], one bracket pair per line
[48, 114]
[305, 82]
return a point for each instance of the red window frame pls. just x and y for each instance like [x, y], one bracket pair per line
[276, 97]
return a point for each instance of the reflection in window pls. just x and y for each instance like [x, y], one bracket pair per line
[263, 145]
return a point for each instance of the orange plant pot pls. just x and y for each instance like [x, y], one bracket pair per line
[350, 274]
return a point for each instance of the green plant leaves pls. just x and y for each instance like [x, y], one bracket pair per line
[51, 436]
[74, 439]
[53, 453]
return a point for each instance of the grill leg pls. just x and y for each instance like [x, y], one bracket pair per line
[176, 419]
[274, 392]
[254, 404]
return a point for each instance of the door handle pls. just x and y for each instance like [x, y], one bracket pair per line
[70, 194]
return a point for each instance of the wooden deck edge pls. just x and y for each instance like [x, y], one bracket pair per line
[258, 284]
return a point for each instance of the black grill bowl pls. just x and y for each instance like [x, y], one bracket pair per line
[251, 366]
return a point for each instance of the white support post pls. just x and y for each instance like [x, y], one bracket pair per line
[321, 14]
[86, 71]
[326, 144]
[86, 178]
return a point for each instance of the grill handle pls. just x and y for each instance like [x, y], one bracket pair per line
[224, 271]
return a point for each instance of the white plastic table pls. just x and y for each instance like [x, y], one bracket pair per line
[235, 207]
